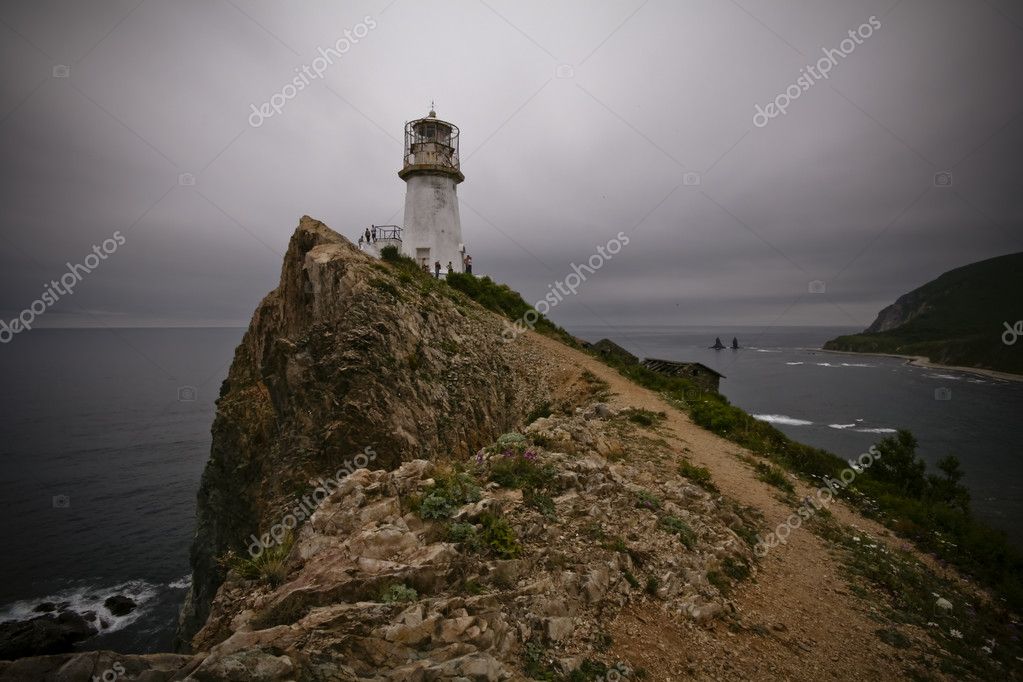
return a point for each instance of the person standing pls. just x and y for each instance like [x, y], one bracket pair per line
[374, 233]
[436, 269]
[451, 268]
[367, 235]
[468, 264]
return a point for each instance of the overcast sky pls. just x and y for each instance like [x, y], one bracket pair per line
[578, 119]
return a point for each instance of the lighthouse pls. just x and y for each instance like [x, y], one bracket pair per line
[432, 230]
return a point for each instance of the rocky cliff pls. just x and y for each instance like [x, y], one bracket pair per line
[345, 354]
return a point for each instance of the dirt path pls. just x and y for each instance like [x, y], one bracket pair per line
[800, 622]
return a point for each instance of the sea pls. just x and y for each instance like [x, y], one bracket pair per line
[105, 433]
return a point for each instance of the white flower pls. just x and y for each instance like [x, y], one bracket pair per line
[932, 625]
[943, 604]
[856, 538]
[986, 650]
[955, 633]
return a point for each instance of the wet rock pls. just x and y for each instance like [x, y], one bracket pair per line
[119, 605]
[43, 635]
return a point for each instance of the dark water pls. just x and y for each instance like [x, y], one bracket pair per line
[845, 403]
[95, 415]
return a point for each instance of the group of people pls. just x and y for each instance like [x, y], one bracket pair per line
[466, 266]
[369, 237]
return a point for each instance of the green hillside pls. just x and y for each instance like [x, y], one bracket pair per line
[957, 319]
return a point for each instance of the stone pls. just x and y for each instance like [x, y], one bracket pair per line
[559, 628]
[119, 605]
[43, 635]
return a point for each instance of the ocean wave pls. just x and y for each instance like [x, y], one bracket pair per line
[856, 364]
[181, 583]
[782, 419]
[946, 377]
[877, 430]
[88, 598]
[841, 426]
[794, 363]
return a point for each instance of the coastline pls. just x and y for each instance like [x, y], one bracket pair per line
[921, 361]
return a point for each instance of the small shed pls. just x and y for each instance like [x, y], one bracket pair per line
[610, 350]
[698, 373]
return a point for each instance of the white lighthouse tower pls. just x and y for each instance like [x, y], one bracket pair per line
[432, 231]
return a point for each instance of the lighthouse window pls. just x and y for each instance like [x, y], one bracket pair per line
[429, 132]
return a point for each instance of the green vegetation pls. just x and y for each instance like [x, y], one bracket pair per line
[647, 500]
[772, 475]
[935, 514]
[450, 490]
[974, 639]
[644, 417]
[398, 593]
[498, 537]
[541, 410]
[270, 566]
[930, 510]
[501, 299]
[956, 319]
[678, 527]
[698, 475]
[464, 534]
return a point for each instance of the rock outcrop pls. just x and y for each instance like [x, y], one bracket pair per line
[346, 354]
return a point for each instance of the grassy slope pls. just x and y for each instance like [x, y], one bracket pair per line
[963, 321]
[949, 533]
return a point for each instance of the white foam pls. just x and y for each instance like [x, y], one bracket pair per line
[793, 363]
[855, 364]
[841, 426]
[782, 419]
[181, 583]
[82, 599]
[947, 377]
[880, 430]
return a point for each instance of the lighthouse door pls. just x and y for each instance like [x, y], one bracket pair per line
[423, 256]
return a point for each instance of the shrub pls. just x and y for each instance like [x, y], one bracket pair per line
[450, 490]
[271, 566]
[464, 534]
[772, 475]
[497, 536]
[398, 593]
[678, 527]
[647, 500]
[697, 474]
